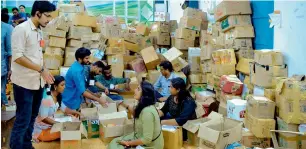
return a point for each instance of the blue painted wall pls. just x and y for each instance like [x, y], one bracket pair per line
[264, 36]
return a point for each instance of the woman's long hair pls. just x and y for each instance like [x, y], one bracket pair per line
[147, 97]
[57, 81]
[183, 94]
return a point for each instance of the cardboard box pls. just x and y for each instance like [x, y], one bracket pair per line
[173, 25]
[116, 61]
[142, 29]
[216, 82]
[263, 75]
[57, 42]
[112, 31]
[249, 140]
[55, 14]
[223, 69]
[222, 131]
[71, 134]
[239, 44]
[240, 32]
[260, 107]
[58, 33]
[259, 127]
[173, 55]
[161, 16]
[289, 140]
[183, 43]
[291, 95]
[195, 13]
[161, 26]
[205, 66]
[207, 51]
[172, 137]
[194, 59]
[197, 78]
[163, 39]
[222, 109]
[206, 97]
[190, 23]
[54, 51]
[76, 32]
[210, 80]
[226, 8]
[235, 20]
[53, 61]
[224, 56]
[75, 43]
[68, 16]
[115, 127]
[138, 65]
[150, 57]
[90, 120]
[270, 94]
[230, 84]
[129, 73]
[236, 109]
[84, 20]
[269, 57]
[243, 66]
[248, 54]
[70, 55]
[153, 75]
[131, 46]
[183, 33]
[115, 50]
[70, 8]
[225, 97]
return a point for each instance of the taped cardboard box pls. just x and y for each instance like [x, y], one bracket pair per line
[115, 50]
[58, 33]
[84, 20]
[243, 66]
[195, 13]
[246, 53]
[150, 57]
[142, 29]
[205, 66]
[222, 131]
[71, 8]
[172, 137]
[230, 84]
[235, 20]
[70, 56]
[138, 65]
[116, 61]
[263, 75]
[71, 134]
[224, 56]
[226, 8]
[207, 51]
[240, 32]
[270, 94]
[220, 40]
[57, 42]
[183, 44]
[223, 69]
[260, 107]
[76, 32]
[190, 23]
[249, 140]
[290, 140]
[153, 75]
[53, 61]
[54, 51]
[259, 127]
[239, 44]
[183, 33]
[197, 78]
[236, 109]
[115, 127]
[173, 25]
[59, 23]
[173, 55]
[292, 103]
[222, 109]
[68, 16]
[163, 39]
[161, 26]
[225, 97]
[204, 38]
[269, 57]
[75, 43]
[131, 46]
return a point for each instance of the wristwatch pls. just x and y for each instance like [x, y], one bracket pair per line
[42, 70]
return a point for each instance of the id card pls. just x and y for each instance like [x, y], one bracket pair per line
[91, 82]
[42, 43]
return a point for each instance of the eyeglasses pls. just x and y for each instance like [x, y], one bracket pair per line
[48, 16]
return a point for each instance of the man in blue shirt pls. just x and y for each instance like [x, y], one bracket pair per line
[17, 17]
[163, 82]
[75, 89]
[6, 55]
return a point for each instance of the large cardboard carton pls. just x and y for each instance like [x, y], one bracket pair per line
[290, 140]
[172, 137]
[70, 56]
[205, 97]
[71, 8]
[58, 33]
[131, 46]
[161, 26]
[57, 42]
[173, 55]
[68, 16]
[195, 13]
[197, 78]
[90, 120]
[138, 65]
[291, 93]
[112, 31]
[71, 134]
[54, 51]
[270, 94]
[185, 33]
[75, 43]
[235, 20]
[163, 39]
[223, 69]
[248, 54]
[84, 20]
[194, 59]
[162, 16]
[173, 25]
[76, 32]
[263, 75]
[190, 23]
[150, 57]
[183, 44]
[269, 57]
[205, 66]
[239, 44]
[222, 131]
[216, 82]
[115, 50]
[115, 127]
[226, 8]
[224, 56]
[260, 107]
[153, 75]
[207, 51]
[243, 66]
[230, 84]
[240, 32]
[116, 61]
[236, 109]
[259, 127]
[225, 97]
[142, 29]
[52, 61]
[249, 140]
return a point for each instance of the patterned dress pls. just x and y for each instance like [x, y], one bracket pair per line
[47, 110]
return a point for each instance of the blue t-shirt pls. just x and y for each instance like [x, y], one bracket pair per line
[75, 86]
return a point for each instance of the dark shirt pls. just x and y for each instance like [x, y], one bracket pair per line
[180, 112]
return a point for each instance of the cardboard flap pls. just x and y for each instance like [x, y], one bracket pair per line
[121, 114]
[215, 115]
[280, 85]
[83, 130]
[194, 125]
[213, 134]
[57, 127]
[89, 112]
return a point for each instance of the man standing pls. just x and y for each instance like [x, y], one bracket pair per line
[28, 74]
[6, 53]
[75, 89]
[17, 17]
[164, 81]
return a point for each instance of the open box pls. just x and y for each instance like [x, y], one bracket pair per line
[275, 142]
[71, 134]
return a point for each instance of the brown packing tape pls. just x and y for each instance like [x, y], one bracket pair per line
[295, 138]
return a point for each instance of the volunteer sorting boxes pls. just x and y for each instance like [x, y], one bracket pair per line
[75, 89]
[90, 72]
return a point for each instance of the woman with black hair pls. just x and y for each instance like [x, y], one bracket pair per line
[49, 105]
[179, 107]
[147, 128]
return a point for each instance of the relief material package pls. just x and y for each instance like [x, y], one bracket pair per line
[226, 8]
[236, 109]
[260, 107]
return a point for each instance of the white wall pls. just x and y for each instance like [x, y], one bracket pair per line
[175, 9]
[291, 37]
